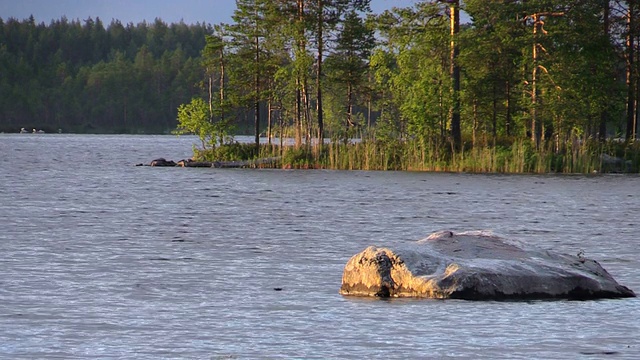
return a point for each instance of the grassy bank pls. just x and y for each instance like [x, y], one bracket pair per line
[516, 157]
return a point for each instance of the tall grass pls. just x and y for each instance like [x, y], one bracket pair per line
[518, 156]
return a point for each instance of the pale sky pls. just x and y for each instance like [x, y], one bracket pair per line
[135, 11]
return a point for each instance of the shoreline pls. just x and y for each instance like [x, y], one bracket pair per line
[515, 158]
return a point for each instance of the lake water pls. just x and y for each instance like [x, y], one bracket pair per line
[101, 259]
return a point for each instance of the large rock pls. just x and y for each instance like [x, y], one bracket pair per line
[476, 266]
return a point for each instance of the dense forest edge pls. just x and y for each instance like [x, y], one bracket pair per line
[532, 86]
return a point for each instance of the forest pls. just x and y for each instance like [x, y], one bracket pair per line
[506, 85]
[80, 77]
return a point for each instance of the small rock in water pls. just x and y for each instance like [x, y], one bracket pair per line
[162, 162]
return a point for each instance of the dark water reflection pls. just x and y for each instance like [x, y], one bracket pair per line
[101, 259]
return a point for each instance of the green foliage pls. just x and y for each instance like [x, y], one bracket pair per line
[567, 93]
[193, 118]
[196, 118]
[411, 69]
[347, 66]
[80, 76]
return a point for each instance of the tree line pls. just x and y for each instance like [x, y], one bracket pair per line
[80, 76]
[553, 73]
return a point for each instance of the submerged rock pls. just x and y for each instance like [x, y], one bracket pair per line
[476, 266]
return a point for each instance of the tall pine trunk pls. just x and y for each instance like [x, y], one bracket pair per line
[349, 122]
[222, 89]
[534, 83]
[300, 84]
[604, 114]
[507, 125]
[256, 104]
[319, 74]
[455, 75]
[631, 98]
[269, 117]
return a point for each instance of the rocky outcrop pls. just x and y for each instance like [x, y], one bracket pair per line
[256, 163]
[162, 162]
[476, 266]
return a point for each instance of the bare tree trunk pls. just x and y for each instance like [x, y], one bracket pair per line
[281, 123]
[307, 110]
[441, 115]
[634, 127]
[604, 115]
[475, 122]
[369, 100]
[494, 115]
[630, 134]
[455, 75]
[298, 110]
[300, 83]
[558, 135]
[269, 121]
[537, 130]
[257, 95]
[534, 88]
[349, 110]
[507, 124]
[210, 88]
[222, 66]
[319, 74]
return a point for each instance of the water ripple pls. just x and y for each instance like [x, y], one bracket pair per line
[102, 260]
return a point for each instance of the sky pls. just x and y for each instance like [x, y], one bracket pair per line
[135, 11]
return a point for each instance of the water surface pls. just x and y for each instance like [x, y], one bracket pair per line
[101, 259]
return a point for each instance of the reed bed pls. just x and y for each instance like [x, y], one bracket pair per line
[520, 156]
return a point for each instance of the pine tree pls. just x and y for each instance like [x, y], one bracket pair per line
[248, 35]
[349, 63]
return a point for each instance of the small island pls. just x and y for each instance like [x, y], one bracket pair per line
[462, 86]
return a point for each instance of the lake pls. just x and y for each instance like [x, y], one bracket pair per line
[102, 259]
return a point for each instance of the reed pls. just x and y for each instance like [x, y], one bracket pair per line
[516, 156]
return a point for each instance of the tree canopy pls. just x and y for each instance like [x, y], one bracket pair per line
[548, 71]
[80, 76]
